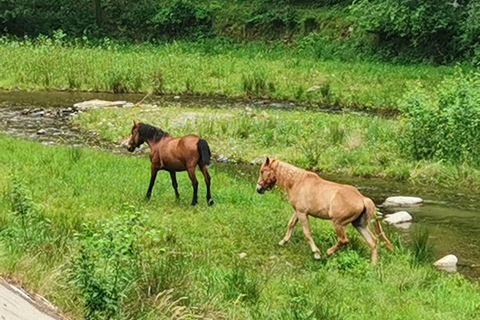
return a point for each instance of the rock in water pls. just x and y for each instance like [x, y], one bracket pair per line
[41, 131]
[402, 201]
[447, 263]
[398, 217]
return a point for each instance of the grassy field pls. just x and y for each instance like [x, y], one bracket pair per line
[211, 67]
[75, 228]
[352, 144]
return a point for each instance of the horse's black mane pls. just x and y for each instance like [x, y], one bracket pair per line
[149, 132]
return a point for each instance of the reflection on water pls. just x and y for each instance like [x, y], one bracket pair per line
[452, 219]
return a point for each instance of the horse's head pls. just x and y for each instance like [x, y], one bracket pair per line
[267, 179]
[135, 140]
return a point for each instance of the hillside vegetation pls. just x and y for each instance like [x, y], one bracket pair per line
[408, 31]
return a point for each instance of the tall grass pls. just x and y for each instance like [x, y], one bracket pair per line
[209, 67]
[164, 259]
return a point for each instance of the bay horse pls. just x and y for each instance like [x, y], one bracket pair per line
[173, 155]
[310, 195]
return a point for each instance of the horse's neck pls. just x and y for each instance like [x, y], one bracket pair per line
[287, 174]
[151, 142]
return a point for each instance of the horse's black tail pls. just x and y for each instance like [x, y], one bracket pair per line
[204, 152]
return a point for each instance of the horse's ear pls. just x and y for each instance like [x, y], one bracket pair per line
[135, 123]
[267, 162]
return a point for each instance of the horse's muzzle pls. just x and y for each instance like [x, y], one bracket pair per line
[260, 189]
[130, 148]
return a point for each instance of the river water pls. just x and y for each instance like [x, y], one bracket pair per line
[451, 218]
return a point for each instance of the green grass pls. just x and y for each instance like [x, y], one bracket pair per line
[164, 259]
[351, 144]
[211, 67]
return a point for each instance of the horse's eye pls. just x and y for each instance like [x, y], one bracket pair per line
[262, 172]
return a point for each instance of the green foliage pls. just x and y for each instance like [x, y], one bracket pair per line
[181, 18]
[30, 228]
[430, 30]
[108, 263]
[422, 249]
[444, 125]
[239, 286]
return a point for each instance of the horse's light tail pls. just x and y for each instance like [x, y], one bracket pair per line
[204, 152]
[371, 210]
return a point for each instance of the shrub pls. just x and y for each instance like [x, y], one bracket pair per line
[108, 263]
[418, 29]
[181, 18]
[30, 228]
[444, 125]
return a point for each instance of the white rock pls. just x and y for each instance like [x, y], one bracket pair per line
[96, 103]
[118, 103]
[398, 217]
[41, 131]
[176, 97]
[242, 255]
[403, 225]
[447, 261]
[402, 201]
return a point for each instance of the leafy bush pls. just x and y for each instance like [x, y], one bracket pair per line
[30, 228]
[109, 262]
[444, 125]
[417, 29]
[182, 18]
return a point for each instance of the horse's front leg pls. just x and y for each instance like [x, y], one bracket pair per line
[152, 181]
[173, 175]
[193, 178]
[291, 224]
[308, 234]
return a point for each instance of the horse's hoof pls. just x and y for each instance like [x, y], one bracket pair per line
[316, 255]
[211, 202]
[194, 204]
[281, 243]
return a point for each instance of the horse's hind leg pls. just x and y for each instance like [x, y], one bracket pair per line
[361, 224]
[204, 169]
[291, 224]
[173, 175]
[193, 178]
[342, 239]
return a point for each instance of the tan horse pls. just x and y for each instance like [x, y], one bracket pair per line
[173, 155]
[313, 196]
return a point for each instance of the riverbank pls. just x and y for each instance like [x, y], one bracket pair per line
[347, 143]
[64, 207]
[212, 67]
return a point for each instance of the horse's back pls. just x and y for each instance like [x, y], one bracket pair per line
[322, 197]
